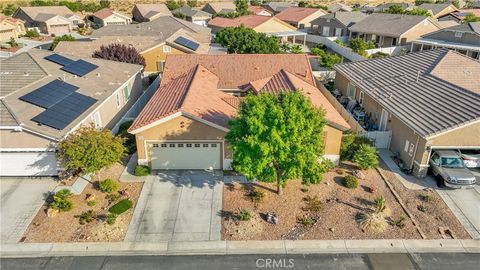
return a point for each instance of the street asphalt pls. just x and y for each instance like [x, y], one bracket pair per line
[387, 261]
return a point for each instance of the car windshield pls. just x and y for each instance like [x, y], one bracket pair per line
[452, 162]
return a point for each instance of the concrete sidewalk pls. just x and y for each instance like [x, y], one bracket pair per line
[239, 247]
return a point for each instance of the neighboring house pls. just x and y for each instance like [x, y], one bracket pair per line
[300, 17]
[463, 38]
[153, 49]
[277, 7]
[261, 24]
[106, 17]
[336, 7]
[384, 7]
[258, 10]
[149, 12]
[41, 103]
[459, 16]
[10, 28]
[219, 7]
[162, 30]
[387, 30]
[184, 124]
[194, 15]
[58, 20]
[428, 100]
[336, 24]
[439, 10]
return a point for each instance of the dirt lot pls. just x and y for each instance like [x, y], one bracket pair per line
[64, 227]
[340, 207]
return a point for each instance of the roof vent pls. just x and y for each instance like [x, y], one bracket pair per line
[257, 68]
[418, 76]
[98, 74]
[26, 74]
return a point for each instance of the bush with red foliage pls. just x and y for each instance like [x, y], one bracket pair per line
[120, 53]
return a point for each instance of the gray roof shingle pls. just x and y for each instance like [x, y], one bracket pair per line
[387, 24]
[18, 72]
[345, 18]
[431, 91]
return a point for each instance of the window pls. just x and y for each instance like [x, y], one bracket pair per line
[458, 34]
[351, 90]
[435, 159]
[97, 119]
[301, 26]
[205, 145]
[163, 145]
[155, 145]
[167, 49]
[172, 145]
[326, 31]
[407, 144]
[189, 145]
[160, 65]
[197, 145]
[410, 151]
[117, 97]
[338, 32]
[180, 145]
[213, 145]
[126, 93]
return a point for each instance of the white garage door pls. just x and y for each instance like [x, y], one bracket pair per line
[28, 164]
[186, 156]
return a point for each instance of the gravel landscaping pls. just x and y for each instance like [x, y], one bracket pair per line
[65, 227]
[340, 209]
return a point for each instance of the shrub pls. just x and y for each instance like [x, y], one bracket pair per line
[255, 195]
[91, 203]
[120, 53]
[61, 200]
[129, 139]
[111, 218]
[142, 170]
[312, 204]
[374, 222]
[244, 215]
[350, 145]
[360, 46]
[61, 38]
[112, 197]
[379, 204]
[379, 55]
[86, 217]
[428, 198]
[305, 188]
[108, 186]
[121, 207]
[400, 222]
[32, 33]
[350, 181]
[304, 220]
[12, 42]
[366, 157]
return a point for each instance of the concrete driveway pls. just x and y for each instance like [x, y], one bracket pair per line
[178, 206]
[21, 198]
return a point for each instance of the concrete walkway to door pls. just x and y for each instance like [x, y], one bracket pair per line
[178, 206]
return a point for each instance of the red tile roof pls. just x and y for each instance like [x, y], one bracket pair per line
[103, 13]
[193, 84]
[296, 14]
[258, 9]
[250, 21]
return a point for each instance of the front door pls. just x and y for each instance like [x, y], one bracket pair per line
[383, 121]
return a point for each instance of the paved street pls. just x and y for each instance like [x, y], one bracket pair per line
[21, 198]
[178, 206]
[420, 261]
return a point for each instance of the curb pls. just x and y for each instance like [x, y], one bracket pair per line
[239, 247]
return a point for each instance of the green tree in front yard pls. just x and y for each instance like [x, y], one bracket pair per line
[276, 138]
[88, 150]
[245, 40]
[360, 46]
[366, 157]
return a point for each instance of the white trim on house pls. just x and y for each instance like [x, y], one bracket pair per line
[175, 115]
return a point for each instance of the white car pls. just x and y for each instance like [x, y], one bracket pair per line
[471, 157]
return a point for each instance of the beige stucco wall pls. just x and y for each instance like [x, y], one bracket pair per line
[419, 30]
[22, 139]
[274, 25]
[306, 21]
[156, 55]
[333, 139]
[179, 128]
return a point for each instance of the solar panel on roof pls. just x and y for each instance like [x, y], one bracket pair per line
[187, 43]
[79, 67]
[50, 94]
[63, 113]
[58, 59]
